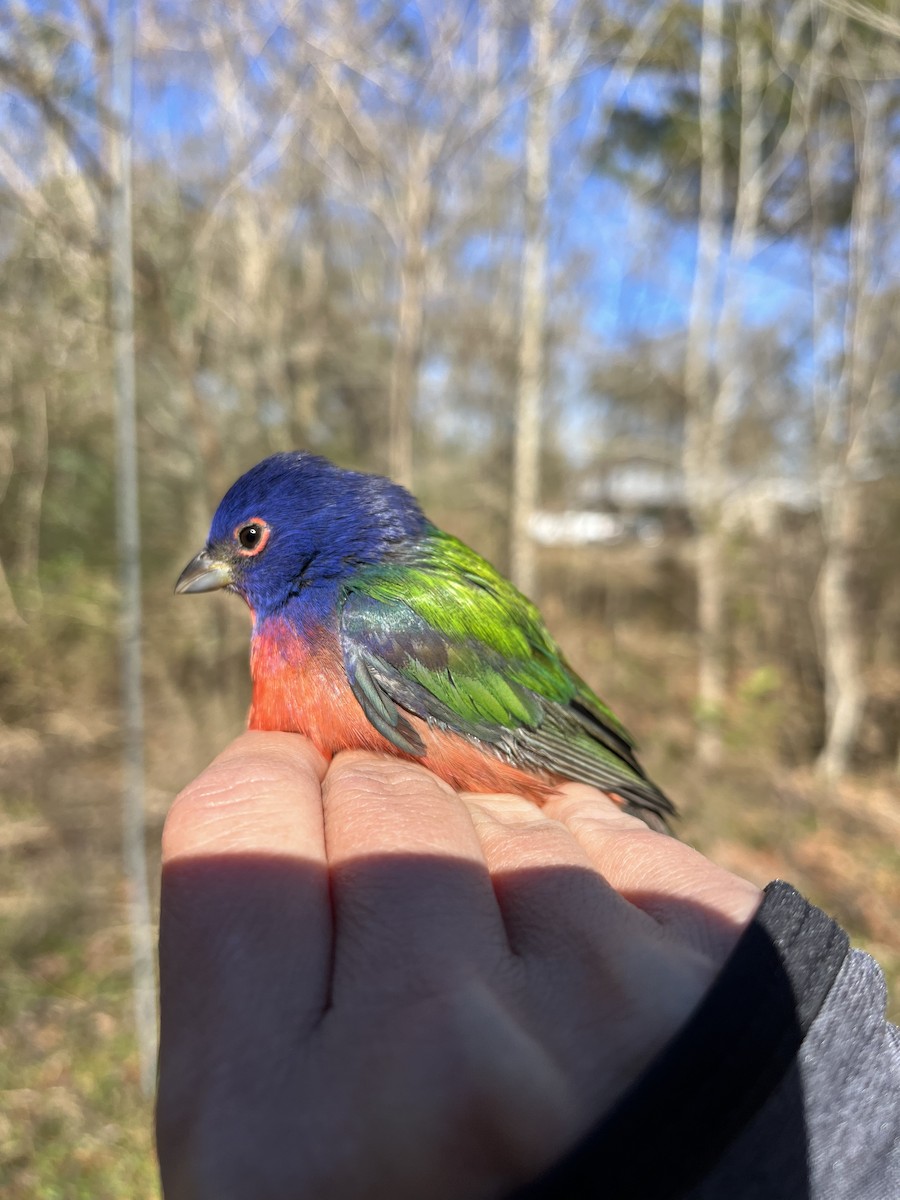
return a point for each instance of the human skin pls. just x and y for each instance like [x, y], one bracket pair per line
[374, 986]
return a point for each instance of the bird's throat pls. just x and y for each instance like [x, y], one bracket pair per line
[300, 686]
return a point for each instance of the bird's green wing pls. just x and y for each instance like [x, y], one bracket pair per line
[444, 636]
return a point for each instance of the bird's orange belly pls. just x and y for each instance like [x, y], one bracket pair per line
[301, 689]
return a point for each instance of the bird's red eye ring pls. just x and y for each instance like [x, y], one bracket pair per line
[252, 537]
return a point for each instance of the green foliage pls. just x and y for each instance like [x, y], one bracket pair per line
[761, 685]
[758, 710]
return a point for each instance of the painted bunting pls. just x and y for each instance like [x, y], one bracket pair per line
[373, 629]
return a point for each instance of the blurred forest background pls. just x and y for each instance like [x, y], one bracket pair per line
[614, 287]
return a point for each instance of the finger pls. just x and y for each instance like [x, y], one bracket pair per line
[260, 795]
[553, 900]
[245, 925]
[600, 972]
[412, 897]
[682, 890]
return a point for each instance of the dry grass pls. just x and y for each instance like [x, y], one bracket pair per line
[73, 1122]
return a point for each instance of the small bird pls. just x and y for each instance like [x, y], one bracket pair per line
[373, 629]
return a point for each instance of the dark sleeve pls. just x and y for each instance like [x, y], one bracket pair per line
[784, 1085]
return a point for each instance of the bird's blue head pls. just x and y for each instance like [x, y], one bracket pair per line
[296, 527]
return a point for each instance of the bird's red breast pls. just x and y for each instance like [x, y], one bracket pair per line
[300, 686]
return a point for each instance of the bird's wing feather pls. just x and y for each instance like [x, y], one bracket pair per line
[380, 708]
[446, 637]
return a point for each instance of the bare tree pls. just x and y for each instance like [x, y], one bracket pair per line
[847, 399]
[122, 320]
[416, 215]
[533, 293]
[719, 379]
[401, 167]
[705, 443]
[67, 233]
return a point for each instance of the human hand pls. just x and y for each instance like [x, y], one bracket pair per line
[374, 987]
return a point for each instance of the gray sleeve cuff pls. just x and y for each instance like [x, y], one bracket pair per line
[840, 1102]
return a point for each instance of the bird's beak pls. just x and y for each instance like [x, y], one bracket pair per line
[204, 574]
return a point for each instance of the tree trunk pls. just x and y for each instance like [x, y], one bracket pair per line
[309, 350]
[10, 617]
[711, 672]
[407, 357]
[845, 440]
[533, 305]
[705, 435]
[31, 470]
[122, 321]
[844, 687]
